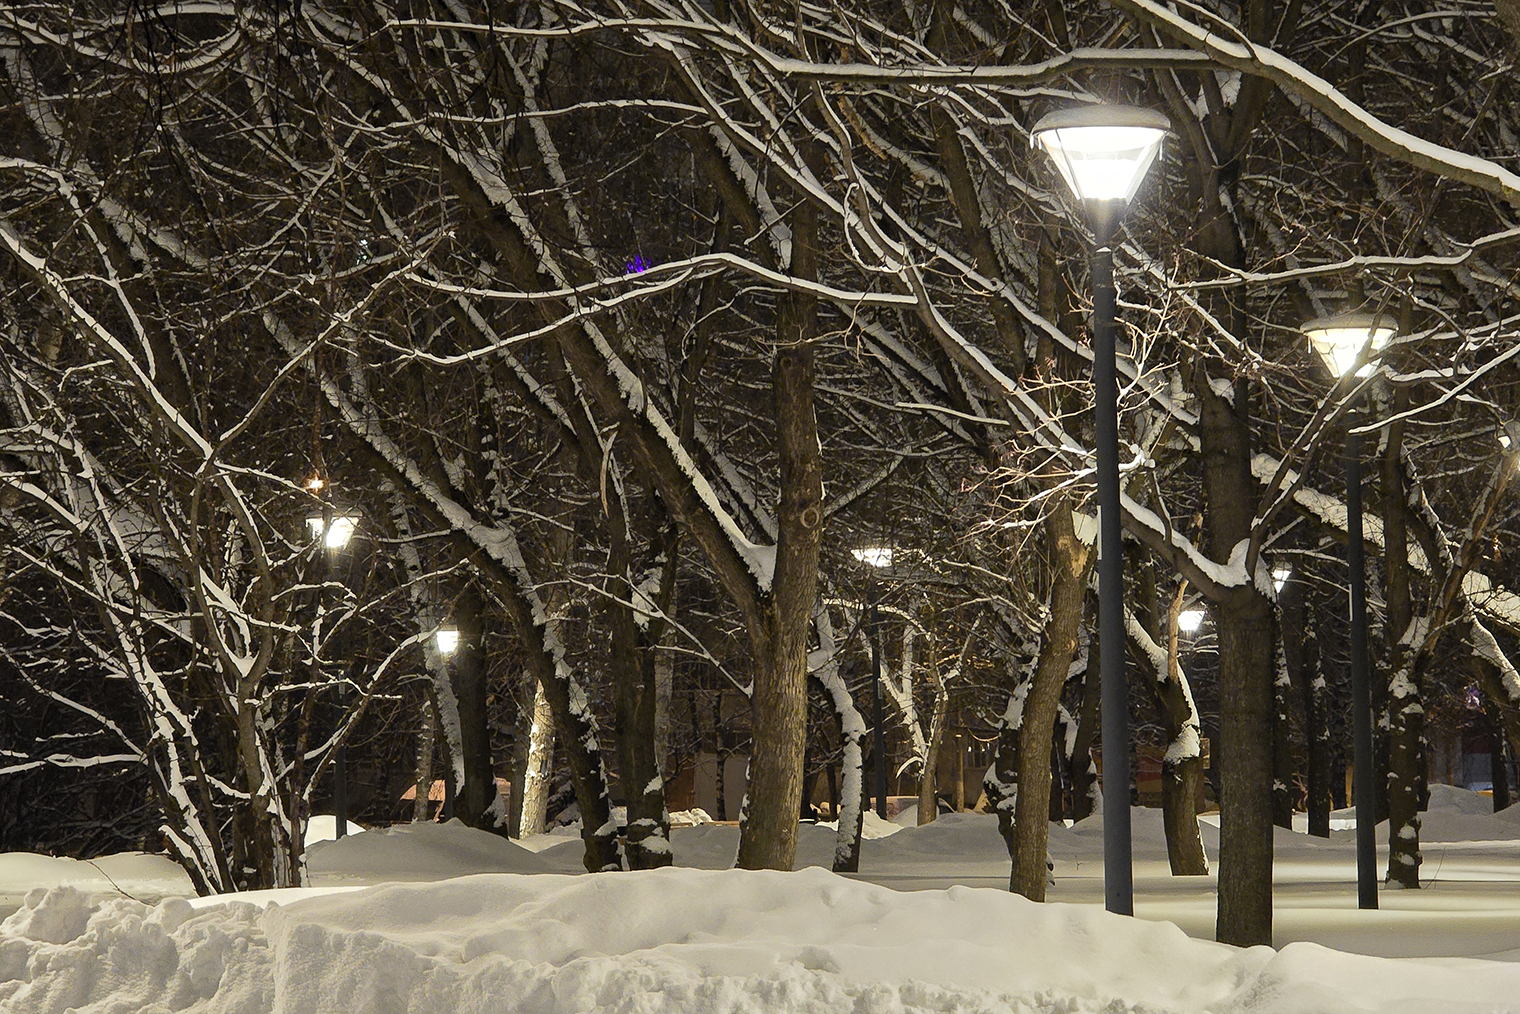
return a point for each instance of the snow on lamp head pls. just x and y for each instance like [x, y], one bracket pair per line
[1103, 152]
[447, 640]
[1340, 340]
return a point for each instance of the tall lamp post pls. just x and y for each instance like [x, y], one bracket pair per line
[1344, 342]
[334, 532]
[1103, 153]
[877, 557]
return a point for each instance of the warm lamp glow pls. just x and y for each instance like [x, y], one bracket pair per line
[315, 483]
[1189, 620]
[1280, 577]
[338, 534]
[1340, 340]
[876, 556]
[447, 640]
[1103, 152]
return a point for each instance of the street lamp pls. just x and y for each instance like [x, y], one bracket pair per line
[1280, 577]
[447, 640]
[1188, 621]
[878, 557]
[1103, 153]
[334, 531]
[1343, 341]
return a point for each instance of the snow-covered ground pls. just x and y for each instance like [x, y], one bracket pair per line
[469, 922]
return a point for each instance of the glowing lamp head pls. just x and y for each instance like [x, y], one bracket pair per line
[1509, 438]
[1189, 620]
[335, 535]
[876, 556]
[1103, 152]
[447, 640]
[1280, 577]
[1342, 339]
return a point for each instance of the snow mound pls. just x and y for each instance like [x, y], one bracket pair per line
[324, 827]
[634, 943]
[422, 851]
[137, 875]
[871, 826]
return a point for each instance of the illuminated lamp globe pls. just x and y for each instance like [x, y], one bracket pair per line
[447, 640]
[1189, 620]
[337, 534]
[1341, 340]
[1103, 152]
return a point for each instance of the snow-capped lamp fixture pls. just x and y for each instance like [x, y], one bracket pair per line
[1341, 340]
[1103, 153]
[447, 640]
[1189, 620]
[876, 556]
[334, 535]
[1280, 577]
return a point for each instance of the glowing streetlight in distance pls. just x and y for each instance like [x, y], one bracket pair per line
[876, 556]
[1280, 577]
[447, 640]
[1340, 340]
[337, 534]
[1189, 620]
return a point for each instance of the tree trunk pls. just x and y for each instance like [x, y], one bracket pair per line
[768, 836]
[1405, 713]
[1243, 619]
[477, 804]
[1069, 559]
[1301, 657]
[532, 791]
[1282, 743]
[1182, 766]
[928, 794]
[1083, 772]
[421, 805]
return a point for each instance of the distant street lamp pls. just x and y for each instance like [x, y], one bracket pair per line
[334, 531]
[1189, 620]
[878, 557]
[1343, 341]
[1103, 153]
[447, 640]
[1280, 577]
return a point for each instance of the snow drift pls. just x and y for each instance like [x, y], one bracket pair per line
[678, 941]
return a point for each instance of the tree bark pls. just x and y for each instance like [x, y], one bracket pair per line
[1069, 560]
[477, 802]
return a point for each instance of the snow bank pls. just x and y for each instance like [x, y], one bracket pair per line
[137, 875]
[422, 851]
[634, 943]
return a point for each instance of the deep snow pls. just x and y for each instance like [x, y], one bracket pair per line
[516, 931]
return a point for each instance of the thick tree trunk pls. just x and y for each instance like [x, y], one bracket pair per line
[1243, 619]
[768, 837]
[1069, 559]
[477, 804]
[928, 789]
[1407, 728]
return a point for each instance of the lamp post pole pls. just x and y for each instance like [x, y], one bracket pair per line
[1118, 870]
[1364, 784]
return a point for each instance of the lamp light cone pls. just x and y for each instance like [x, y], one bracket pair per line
[1340, 340]
[1103, 152]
